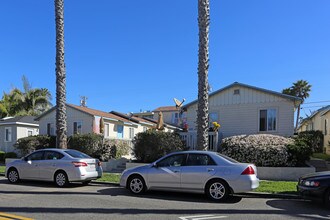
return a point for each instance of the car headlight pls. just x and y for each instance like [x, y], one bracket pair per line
[311, 183]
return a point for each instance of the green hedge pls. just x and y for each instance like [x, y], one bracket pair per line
[313, 139]
[2, 156]
[29, 144]
[151, 145]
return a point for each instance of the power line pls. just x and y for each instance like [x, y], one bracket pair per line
[306, 103]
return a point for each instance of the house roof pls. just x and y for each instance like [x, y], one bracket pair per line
[166, 109]
[89, 111]
[324, 110]
[293, 98]
[19, 120]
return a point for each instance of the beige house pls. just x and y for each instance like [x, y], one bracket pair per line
[84, 120]
[319, 120]
[244, 109]
[14, 128]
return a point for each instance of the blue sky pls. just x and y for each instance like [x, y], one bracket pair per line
[131, 55]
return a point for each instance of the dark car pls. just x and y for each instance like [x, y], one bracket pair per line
[315, 186]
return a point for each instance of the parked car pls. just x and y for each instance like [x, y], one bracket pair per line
[206, 172]
[59, 165]
[315, 186]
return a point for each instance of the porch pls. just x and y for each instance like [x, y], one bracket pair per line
[190, 138]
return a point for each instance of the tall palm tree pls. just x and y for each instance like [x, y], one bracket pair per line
[61, 127]
[300, 89]
[203, 66]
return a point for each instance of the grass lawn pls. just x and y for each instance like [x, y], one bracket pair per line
[321, 156]
[110, 177]
[2, 169]
[284, 187]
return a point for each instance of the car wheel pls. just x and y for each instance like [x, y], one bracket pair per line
[136, 185]
[61, 179]
[327, 198]
[85, 183]
[217, 190]
[13, 176]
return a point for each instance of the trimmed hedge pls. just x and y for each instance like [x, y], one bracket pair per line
[266, 150]
[29, 144]
[313, 139]
[151, 145]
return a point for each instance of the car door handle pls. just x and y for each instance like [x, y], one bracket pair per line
[210, 169]
[176, 171]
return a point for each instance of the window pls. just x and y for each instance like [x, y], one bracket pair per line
[7, 134]
[174, 160]
[199, 160]
[35, 156]
[29, 133]
[76, 154]
[131, 133]
[106, 130]
[77, 127]
[52, 155]
[236, 92]
[326, 127]
[175, 118]
[267, 120]
[50, 129]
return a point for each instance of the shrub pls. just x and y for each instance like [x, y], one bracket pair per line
[299, 152]
[151, 145]
[29, 144]
[10, 155]
[262, 150]
[2, 156]
[98, 147]
[313, 139]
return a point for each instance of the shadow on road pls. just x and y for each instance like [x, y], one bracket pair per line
[174, 196]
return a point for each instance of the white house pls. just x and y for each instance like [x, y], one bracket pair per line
[14, 128]
[244, 109]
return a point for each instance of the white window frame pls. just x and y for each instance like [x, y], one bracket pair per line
[267, 117]
[76, 129]
[8, 136]
[27, 132]
[131, 133]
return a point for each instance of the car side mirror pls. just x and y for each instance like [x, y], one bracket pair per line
[155, 165]
[25, 159]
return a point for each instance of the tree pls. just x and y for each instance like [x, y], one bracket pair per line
[300, 89]
[203, 66]
[31, 101]
[61, 127]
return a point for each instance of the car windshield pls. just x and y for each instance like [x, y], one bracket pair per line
[228, 158]
[76, 154]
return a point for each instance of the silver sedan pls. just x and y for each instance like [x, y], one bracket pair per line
[59, 165]
[206, 172]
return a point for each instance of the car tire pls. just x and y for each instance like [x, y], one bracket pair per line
[327, 198]
[136, 184]
[61, 179]
[13, 176]
[217, 190]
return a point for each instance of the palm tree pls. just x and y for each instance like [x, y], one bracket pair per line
[203, 66]
[61, 127]
[300, 89]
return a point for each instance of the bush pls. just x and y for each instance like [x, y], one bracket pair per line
[262, 150]
[29, 144]
[313, 139]
[2, 156]
[299, 152]
[151, 145]
[98, 147]
[10, 155]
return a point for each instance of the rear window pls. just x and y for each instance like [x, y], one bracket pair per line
[76, 154]
[228, 158]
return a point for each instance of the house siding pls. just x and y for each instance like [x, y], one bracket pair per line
[239, 114]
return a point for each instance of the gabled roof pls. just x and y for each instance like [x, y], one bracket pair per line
[293, 98]
[166, 109]
[19, 120]
[92, 112]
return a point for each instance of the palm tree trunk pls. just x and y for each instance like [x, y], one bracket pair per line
[61, 127]
[297, 119]
[203, 66]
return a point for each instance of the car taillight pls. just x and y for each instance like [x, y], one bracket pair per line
[99, 163]
[248, 171]
[80, 164]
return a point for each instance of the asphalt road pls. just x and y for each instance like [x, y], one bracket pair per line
[45, 201]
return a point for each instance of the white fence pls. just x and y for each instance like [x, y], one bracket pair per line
[191, 140]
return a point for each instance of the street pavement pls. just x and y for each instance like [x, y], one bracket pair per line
[36, 200]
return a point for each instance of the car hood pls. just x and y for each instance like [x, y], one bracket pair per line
[138, 168]
[316, 175]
